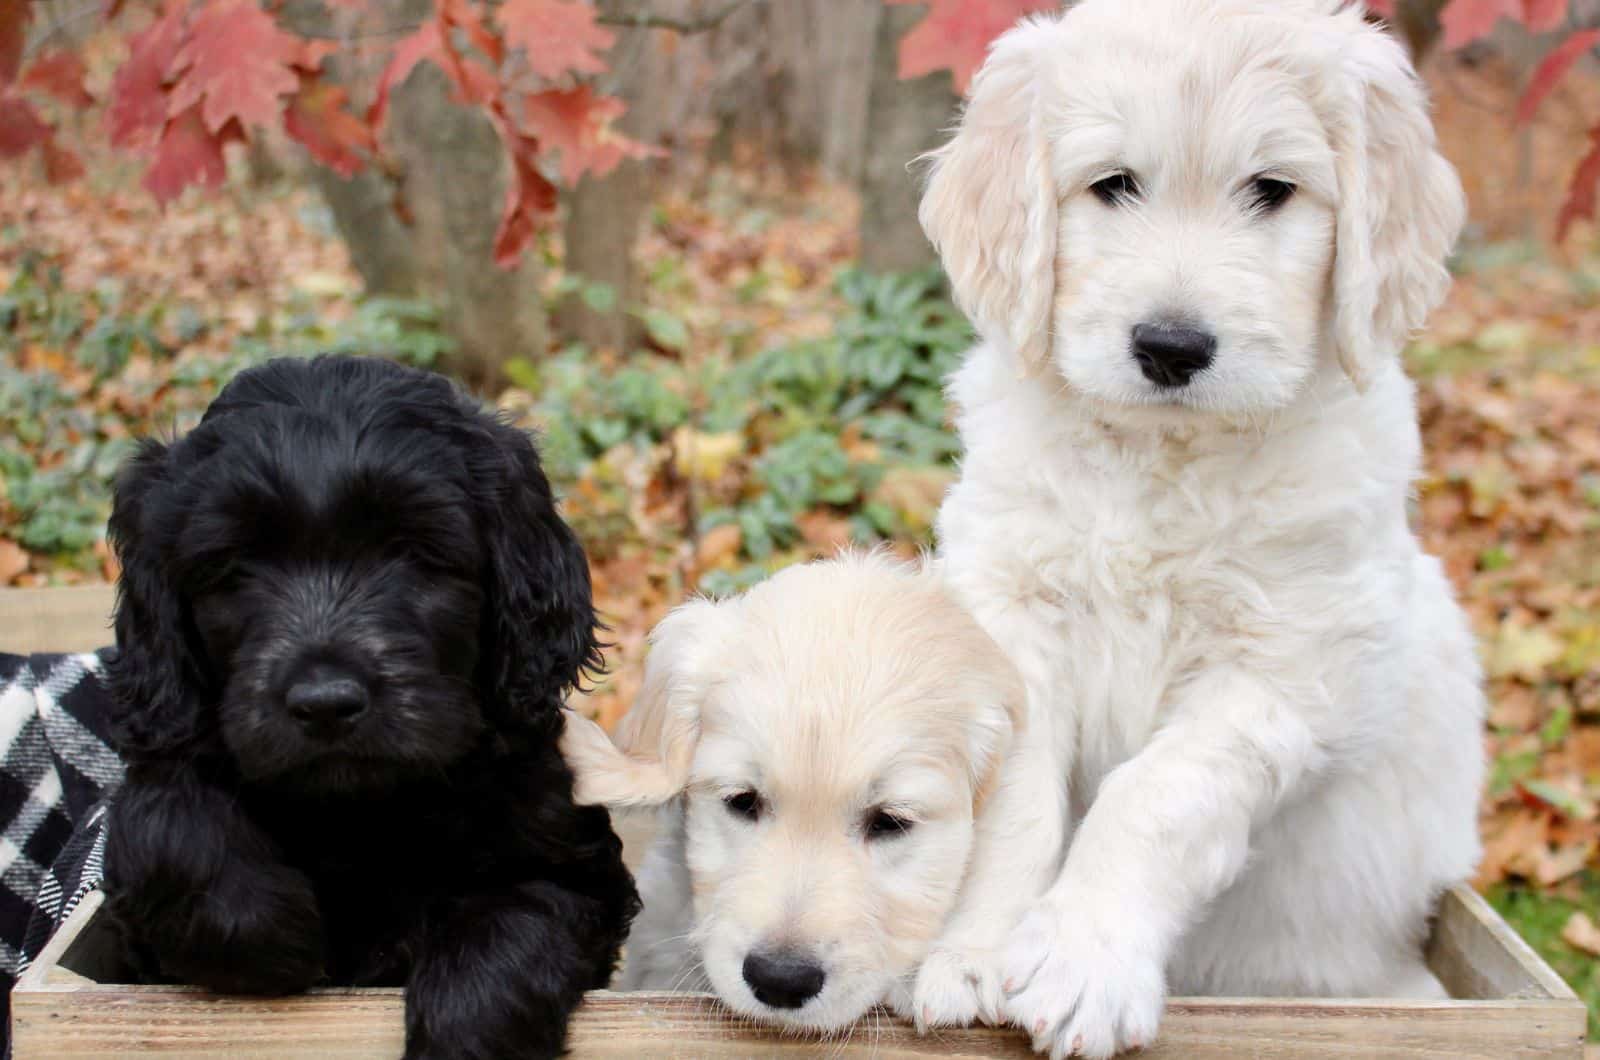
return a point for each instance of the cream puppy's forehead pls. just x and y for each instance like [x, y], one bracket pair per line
[856, 678]
[851, 751]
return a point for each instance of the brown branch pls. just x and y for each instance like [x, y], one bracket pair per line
[632, 20]
[649, 20]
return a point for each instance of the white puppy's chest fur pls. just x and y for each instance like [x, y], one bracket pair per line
[1148, 554]
[1120, 565]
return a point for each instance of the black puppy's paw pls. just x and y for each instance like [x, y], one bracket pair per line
[483, 1016]
[255, 930]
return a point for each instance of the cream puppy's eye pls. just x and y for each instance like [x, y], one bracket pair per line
[746, 804]
[881, 824]
[1267, 194]
[1116, 188]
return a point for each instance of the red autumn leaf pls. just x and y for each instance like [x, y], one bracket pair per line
[14, 18]
[61, 164]
[576, 123]
[530, 200]
[1465, 21]
[312, 52]
[956, 35]
[464, 16]
[188, 153]
[1542, 16]
[138, 97]
[474, 83]
[1581, 192]
[425, 43]
[20, 127]
[1552, 68]
[235, 64]
[558, 36]
[58, 74]
[318, 118]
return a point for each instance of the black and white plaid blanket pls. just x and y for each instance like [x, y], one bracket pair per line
[56, 767]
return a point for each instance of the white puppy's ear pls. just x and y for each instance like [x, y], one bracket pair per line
[990, 203]
[649, 762]
[1401, 206]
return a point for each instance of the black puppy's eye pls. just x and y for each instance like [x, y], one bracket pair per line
[1268, 194]
[881, 824]
[746, 804]
[1115, 188]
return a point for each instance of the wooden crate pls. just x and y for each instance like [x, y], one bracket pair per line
[1510, 1004]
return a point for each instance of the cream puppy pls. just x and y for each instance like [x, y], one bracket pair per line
[1193, 235]
[820, 744]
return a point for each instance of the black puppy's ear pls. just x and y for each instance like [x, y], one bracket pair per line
[156, 677]
[539, 614]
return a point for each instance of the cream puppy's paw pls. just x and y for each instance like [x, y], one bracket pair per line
[1081, 982]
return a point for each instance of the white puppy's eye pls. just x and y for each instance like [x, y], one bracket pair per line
[1115, 188]
[1267, 194]
[881, 824]
[746, 804]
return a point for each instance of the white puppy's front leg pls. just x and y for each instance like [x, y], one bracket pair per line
[1167, 832]
[1019, 837]
[1016, 853]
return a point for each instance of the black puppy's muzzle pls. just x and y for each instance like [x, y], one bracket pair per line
[327, 700]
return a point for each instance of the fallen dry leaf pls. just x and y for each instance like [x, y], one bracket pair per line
[1582, 933]
[718, 547]
[13, 560]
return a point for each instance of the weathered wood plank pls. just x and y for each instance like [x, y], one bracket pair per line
[66, 1016]
[1477, 955]
[75, 618]
[70, 1021]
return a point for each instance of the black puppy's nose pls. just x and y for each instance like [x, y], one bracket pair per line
[783, 978]
[1168, 354]
[326, 698]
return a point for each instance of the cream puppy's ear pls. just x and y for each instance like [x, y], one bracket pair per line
[1401, 206]
[649, 762]
[999, 722]
[990, 203]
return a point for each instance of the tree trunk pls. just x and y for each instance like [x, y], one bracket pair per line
[452, 178]
[904, 119]
[849, 34]
[455, 183]
[1418, 23]
[381, 246]
[604, 214]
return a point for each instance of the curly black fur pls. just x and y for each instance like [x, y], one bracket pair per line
[347, 618]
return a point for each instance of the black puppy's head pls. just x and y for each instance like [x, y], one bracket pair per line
[340, 578]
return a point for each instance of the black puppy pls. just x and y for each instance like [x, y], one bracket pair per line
[347, 618]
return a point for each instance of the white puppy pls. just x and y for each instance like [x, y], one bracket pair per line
[823, 742]
[1193, 235]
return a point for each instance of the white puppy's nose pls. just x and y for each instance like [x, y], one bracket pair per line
[783, 978]
[1170, 353]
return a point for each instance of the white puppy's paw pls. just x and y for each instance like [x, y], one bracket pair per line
[1082, 985]
[957, 988]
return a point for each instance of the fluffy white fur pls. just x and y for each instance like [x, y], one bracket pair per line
[1254, 707]
[832, 692]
